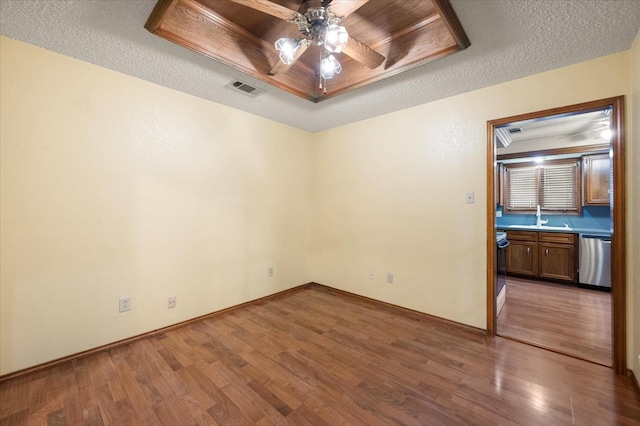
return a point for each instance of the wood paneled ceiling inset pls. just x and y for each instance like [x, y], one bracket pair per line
[242, 33]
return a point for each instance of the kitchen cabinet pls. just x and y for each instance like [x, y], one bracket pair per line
[557, 256]
[547, 255]
[522, 258]
[597, 179]
[557, 262]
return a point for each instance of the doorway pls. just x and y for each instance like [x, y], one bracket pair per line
[617, 263]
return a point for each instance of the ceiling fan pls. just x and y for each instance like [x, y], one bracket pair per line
[318, 24]
[601, 128]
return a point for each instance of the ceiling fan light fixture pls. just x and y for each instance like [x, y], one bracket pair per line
[288, 48]
[336, 38]
[329, 66]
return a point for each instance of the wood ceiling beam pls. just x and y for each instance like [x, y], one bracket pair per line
[161, 10]
[363, 53]
[268, 7]
[344, 8]
[281, 67]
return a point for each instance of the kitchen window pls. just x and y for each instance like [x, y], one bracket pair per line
[555, 186]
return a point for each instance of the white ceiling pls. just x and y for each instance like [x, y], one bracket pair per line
[509, 39]
[580, 126]
[560, 131]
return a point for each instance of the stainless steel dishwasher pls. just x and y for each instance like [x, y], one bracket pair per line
[595, 262]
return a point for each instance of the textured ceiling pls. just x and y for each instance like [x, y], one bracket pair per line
[509, 39]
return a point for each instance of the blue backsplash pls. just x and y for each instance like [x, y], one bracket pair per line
[593, 217]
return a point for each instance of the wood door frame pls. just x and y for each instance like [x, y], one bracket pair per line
[618, 237]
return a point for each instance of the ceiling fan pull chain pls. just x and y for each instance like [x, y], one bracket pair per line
[319, 74]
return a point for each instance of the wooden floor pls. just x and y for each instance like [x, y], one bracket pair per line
[318, 357]
[563, 318]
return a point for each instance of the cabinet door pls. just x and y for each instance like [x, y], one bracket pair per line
[597, 179]
[522, 258]
[557, 261]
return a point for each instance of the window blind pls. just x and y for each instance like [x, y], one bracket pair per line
[523, 188]
[554, 186]
[559, 187]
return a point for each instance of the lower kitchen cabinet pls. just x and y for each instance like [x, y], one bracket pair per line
[546, 255]
[557, 262]
[522, 258]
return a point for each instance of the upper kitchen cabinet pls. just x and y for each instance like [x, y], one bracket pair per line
[597, 180]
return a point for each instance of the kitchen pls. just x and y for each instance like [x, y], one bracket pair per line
[554, 224]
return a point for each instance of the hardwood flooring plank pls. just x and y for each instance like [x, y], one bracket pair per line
[91, 416]
[271, 398]
[108, 411]
[244, 402]
[308, 417]
[173, 411]
[315, 356]
[16, 418]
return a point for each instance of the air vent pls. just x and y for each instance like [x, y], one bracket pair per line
[245, 88]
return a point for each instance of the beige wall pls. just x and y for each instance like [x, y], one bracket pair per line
[390, 191]
[633, 262]
[113, 186]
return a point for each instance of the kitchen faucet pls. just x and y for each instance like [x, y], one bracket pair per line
[539, 221]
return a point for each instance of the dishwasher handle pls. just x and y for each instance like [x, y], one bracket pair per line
[605, 240]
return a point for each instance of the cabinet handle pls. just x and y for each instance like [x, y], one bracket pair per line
[546, 252]
[527, 250]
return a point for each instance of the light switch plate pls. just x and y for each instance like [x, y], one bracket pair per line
[470, 197]
[124, 304]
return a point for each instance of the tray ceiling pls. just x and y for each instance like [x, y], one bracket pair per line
[511, 39]
[406, 32]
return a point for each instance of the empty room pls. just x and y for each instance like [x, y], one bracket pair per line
[315, 212]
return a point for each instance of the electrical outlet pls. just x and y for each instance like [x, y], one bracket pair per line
[271, 272]
[389, 278]
[171, 302]
[371, 275]
[124, 304]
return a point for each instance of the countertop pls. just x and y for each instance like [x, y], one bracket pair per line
[591, 231]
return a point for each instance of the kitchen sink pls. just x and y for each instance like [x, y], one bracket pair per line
[542, 227]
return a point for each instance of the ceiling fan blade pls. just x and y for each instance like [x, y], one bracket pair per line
[281, 67]
[363, 53]
[344, 8]
[584, 132]
[268, 7]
